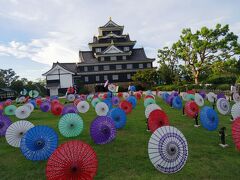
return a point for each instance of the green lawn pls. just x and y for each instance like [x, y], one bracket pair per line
[127, 157]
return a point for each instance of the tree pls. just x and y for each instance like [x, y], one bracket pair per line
[168, 60]
[8, 76]
[148, 77]
[200, 49]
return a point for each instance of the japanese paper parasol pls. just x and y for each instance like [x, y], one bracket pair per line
[101, 109]
[120, 94]
[72, 160]
[138, 95]
[24, 92]
[8, 102]
[83, 106]
[119, 117]
[33, 93]
[236, 132]
[38, 101]
[168, 149]
[33, 102]
[211, 97]
[90, 97]
[209, 118]
[71, 97]
[95, 101]
[16, 131]
[191, 109]
[112, 87]
[108, 102]
[83, 97]
[149, 101]
[29, 106]
[5, 122]
[177, 102]
[10, 110]
[76, 101]
[221, 95]
[148, 92]
[57, 109]
[132, 100]
[126, 106]
[191, 91]
[236, 97]
[184, 96]
[45, 106]
[190, 97]
[22, 112]
[170, 99]
[103, 130]
[151, 108]
[132, 88]
[149, 96]
[106, 83]
[70, 125]
[235, 111]
[165, 96]
[69, 109]
[125, 95]
[21, 99]
[53, 97]
[203, 94]
[223, 106]
[38, 143]
[157, 118]
[115, 100]
[199, 99]
[54, 101]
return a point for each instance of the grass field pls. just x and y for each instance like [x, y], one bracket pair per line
[127, 157]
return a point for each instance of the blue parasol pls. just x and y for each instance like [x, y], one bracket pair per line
[177, 102]
[119, 117]
[209, 118]
[39, 143]
[132, 100]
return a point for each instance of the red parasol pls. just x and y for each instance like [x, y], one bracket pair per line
[157, 119]
[57, 109]
[39, 101]
[120, 94]
[54, 101]
[191, 91]
[236, 132]
[126, 106]
[72, 160]
[149, 96]
[191, 109]
[138, 95]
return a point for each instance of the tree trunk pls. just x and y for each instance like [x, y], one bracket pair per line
[196, 75]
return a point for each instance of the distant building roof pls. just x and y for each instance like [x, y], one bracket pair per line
[138, 54]
[6, 90]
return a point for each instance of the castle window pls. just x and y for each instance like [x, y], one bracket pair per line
[115, 77]
[140, 66]
[124, 57]
[97, 78]
[119, 66]
[85, 68]
[105, 77]
[149, 65]
[113, 58]
[98, 50]
[126, 48]
[129, 66]
[102, 58]
[86, 78]
[95, 68]
[106, 68]
[128, 76]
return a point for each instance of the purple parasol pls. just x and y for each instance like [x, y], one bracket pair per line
[45, 106]
[103, 130]
[203, 94]
[69, 109]
[221, 95]
[115, 100]
[5, 122]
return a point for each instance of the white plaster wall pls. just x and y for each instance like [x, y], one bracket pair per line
[66, 80]
[52, 77]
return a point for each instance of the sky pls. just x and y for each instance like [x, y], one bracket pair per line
[34, 34]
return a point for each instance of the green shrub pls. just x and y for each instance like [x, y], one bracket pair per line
[221, 79]
[223, 87]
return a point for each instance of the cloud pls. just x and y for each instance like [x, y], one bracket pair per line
[60, 28]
